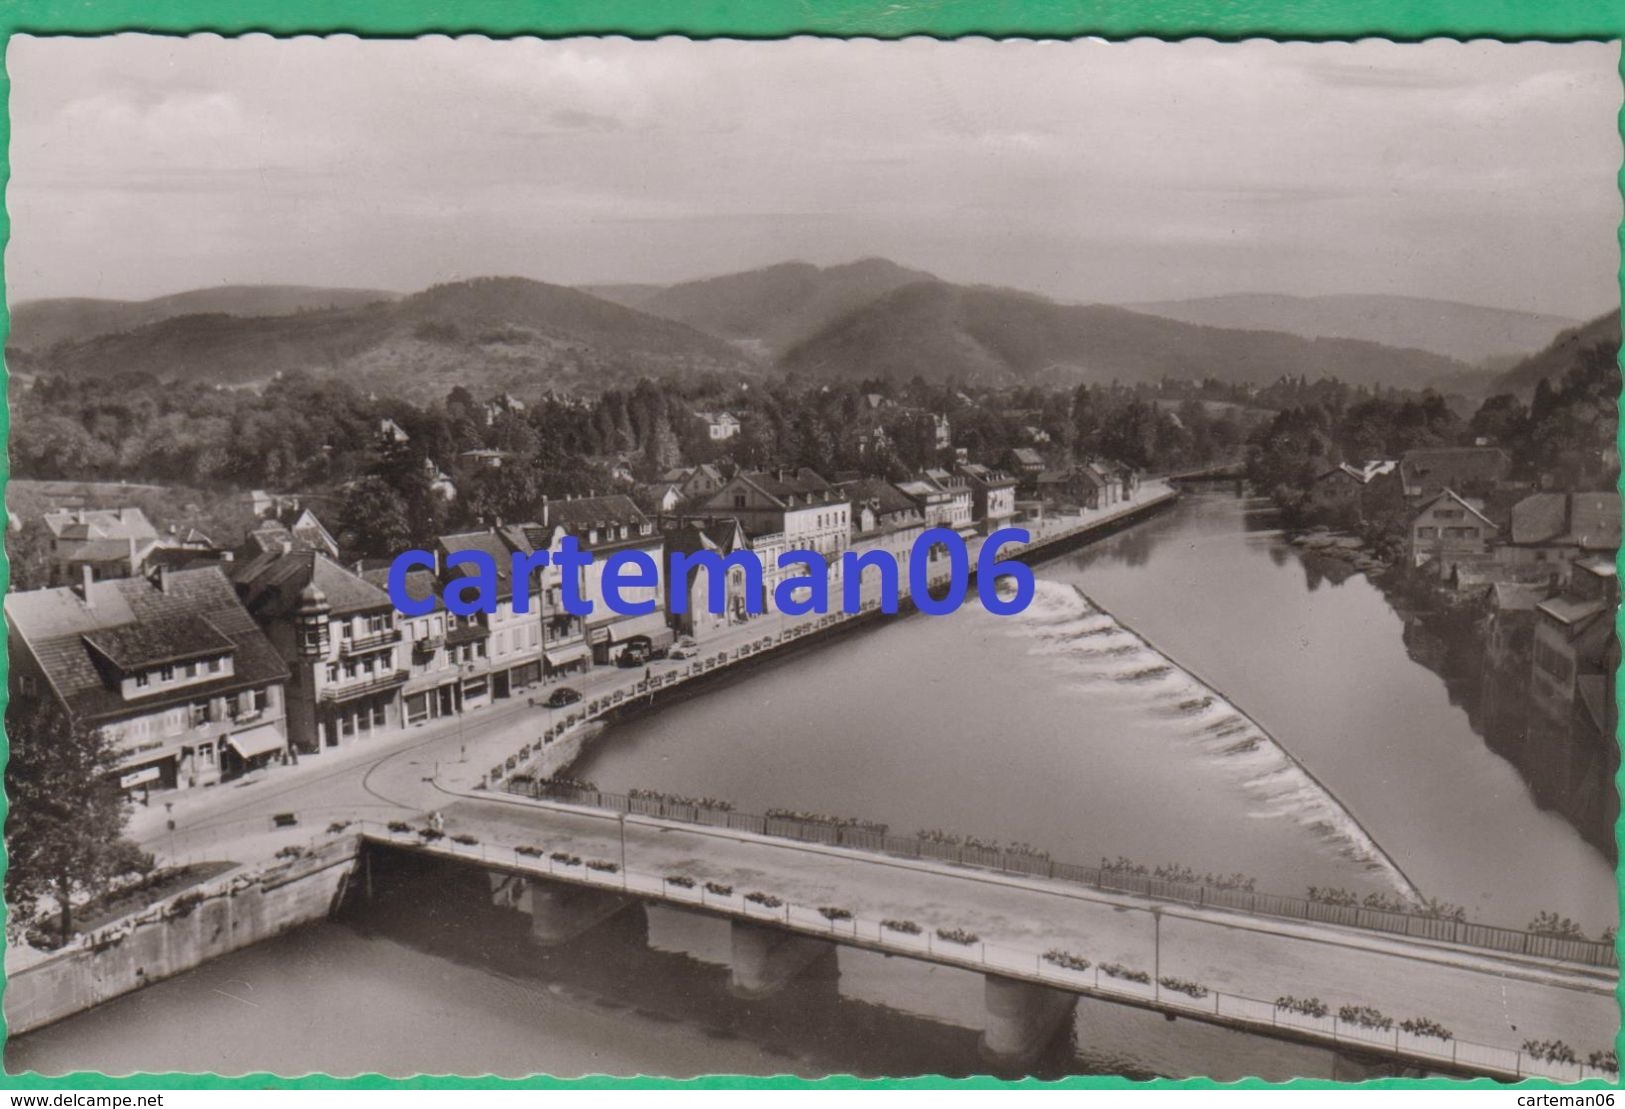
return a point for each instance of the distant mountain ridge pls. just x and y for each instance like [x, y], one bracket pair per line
[1465, 332]
[776, 306]
[39, 324]
[1558, 356]
[493, 332]
[983, 335]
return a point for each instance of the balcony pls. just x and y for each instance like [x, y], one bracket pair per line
[372, 642]
[428, 645]
[468, 633]
[351, 690]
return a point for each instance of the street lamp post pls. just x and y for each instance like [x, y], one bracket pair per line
[1156, 957]
[620, 818]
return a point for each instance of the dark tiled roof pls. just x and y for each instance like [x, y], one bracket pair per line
[146, 643]
[270, 586]
[594, 512]
[887, 498]
[1437, 467]
[57, 624]
[420, 585]
[1587, 520]
[786, 486]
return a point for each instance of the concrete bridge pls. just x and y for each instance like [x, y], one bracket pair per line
[1039, 943]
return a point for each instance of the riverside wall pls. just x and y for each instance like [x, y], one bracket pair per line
[556, 753]
[180, 933]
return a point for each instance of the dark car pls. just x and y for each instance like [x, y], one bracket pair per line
[639, 649]
[562, 696]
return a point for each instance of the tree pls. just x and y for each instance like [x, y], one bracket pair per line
[64, 830]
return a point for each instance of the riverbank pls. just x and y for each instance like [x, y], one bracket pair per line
[558, 748]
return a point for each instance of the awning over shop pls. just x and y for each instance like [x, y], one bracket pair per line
[567, 656]
[653, 625]
[258, 741]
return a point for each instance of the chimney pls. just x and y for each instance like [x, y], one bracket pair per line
[163, 579]
[135, 563]
[86, 576]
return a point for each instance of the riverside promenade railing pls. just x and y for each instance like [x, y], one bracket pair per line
[977, 953]
[871, 838]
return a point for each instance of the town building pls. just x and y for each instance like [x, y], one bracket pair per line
[390, 432]
[435, 673]
[786, 510]
[174, 672]
[1556, 530]
[604, 526]
[1573, 718]
[993, 495]
[885, 518]
[1469, 471]
[719, 426]
[722, 537]
[337, 634]
[499, 651]
[1449, 529]
[109, 542]
[1338, 495]
[1025, 463]
[935, 503]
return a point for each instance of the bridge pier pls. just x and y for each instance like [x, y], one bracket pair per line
[765, 958]
[1022, 1019]
[1357, 1066]
[560, 913]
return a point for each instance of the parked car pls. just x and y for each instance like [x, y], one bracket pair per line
[683, 650]
[562, 696]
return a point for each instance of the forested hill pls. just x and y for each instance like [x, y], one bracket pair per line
[488, 333]
[945, 332]
[37, 325]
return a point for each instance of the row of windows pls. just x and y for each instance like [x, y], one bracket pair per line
[187, 671]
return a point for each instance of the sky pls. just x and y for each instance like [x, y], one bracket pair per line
[1086, 171]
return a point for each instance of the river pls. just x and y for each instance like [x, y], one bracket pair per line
[1088, 726]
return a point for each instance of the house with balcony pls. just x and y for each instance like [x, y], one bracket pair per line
[433, 686]
[885, 518]
[602, 526]
[787, 510]
[338, 635]
[174, 672]
[500, 652]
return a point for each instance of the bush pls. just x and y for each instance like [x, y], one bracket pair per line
[766, 900]
[957, 935]
[603, 865]
[465, 839]
[182, 906]
[831, 913]
[564, 858]
[1603, 1060]
[1364, 1016]
[1422, 1026]
[907, 927]
[1552, 1051]
[399, 826]
[337, 826]
[719, 889]
[681, 881]
[1118, 970]
[1184, 986]
[528, 851]
[1066, 959]
[292, 851]
[1307, 1006]
[429, 835]
[1550, 924]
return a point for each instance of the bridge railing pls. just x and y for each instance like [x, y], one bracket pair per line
[1415, 925]
[974, 952]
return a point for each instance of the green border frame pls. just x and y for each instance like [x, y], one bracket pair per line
[1403, 20]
